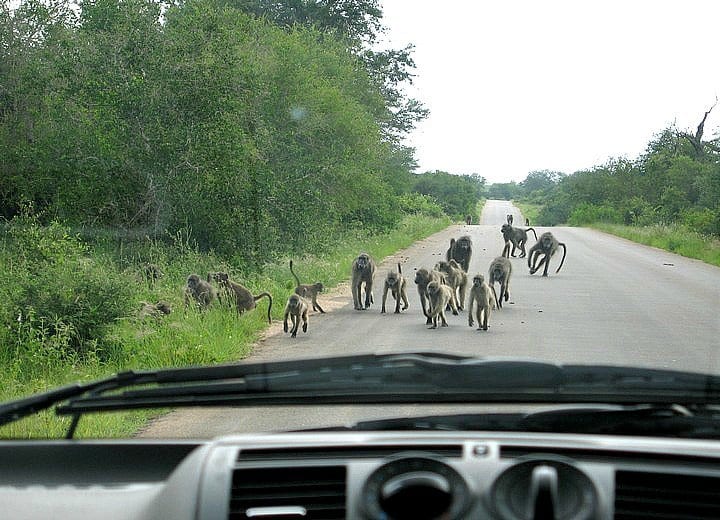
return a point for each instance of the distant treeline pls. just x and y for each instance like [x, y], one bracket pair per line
[676, 180]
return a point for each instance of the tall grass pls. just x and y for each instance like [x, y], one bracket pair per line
[529, 211]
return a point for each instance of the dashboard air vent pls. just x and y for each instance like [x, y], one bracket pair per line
[667, 496]
[274, 493]
[348, 452]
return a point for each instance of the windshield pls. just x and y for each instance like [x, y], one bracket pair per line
[203, 182]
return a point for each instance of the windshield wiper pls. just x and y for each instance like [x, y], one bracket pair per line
[370, 379]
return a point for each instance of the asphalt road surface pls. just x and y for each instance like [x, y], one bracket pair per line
[613, 302]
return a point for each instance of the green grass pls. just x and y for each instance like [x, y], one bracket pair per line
[674, 238]
[529, 211]
[183, 338]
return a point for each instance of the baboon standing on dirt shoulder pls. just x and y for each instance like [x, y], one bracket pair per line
[363, 271]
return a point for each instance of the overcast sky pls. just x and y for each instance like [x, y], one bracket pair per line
[517, 86]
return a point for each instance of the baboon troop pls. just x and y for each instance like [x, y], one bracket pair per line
[297, 309]
[240, 295]
[456, 279]
[440, 296]
[499, 272]
[547, 245]
[517, 237]
[308, 291]
[482, 295]
[461, 251]
[198, 291]
[422, 278]
[509, 219]
[395, 283]
[154, 310]
[363, 271]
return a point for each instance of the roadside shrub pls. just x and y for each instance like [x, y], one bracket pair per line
[419, 204]
[704, 221]
[586, 213]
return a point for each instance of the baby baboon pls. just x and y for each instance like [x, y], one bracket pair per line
[515, 236]
[395, 282]
[422, 278]
[241, 296]
[155, 310]
[546, 245]
[199, 291]
[308, 291]
[457, 280]
[461, 251]
[363, 270]
[440, 296]
[468, 220]
[500, 272]
[484, 296]
[509, 219]
[297, 309]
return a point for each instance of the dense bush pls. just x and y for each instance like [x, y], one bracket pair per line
[588, 213]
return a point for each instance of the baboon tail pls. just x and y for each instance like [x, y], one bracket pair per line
[297, 280]
[563, 258]
[261, 295]
[399, 268]
[531, 229]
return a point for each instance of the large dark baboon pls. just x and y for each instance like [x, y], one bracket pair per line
[509, 218]
[515, 236]
[363, 271]
[461, 251]
[199, 291]
[500, 271]
[395, 283]
[422, 278]
[240, 295]
[547, 245]
[297, 310]
[308, 291]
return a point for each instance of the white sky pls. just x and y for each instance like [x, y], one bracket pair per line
[523, 85]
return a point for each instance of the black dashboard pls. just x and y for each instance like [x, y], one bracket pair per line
[373, 475]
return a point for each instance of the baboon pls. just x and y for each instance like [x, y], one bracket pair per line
[457, 279]
[509, 218]
[363, 270]
[547, 245]
[240, 295]
[297, 309]
[150, 273]
[422, 278]
[500, 271]
[484, 296]
[308, 291]
[527, 222]
[440, 296]
[461, 251]
[200, 291]
[395, 283]
[517, 237]
[155, 310]
[468, 220]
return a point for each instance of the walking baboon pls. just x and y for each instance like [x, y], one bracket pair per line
[440, 296]
[547, 245]
[484, 296]
[297, 309]
[155, 310]
[240, 295]
[527, 222]
[517, 237]
[308, 291]
[456, 278]
[468, 220]
[199, 291]
[500, 271]
[461, 251]
[509, 218]
[363, 271]
[395, 283]
[422, 278]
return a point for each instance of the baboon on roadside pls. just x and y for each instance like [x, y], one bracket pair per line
[509, 218]
[468, 220]
[308, 291]
[527, 222]
[154, 310]
[547, 245]
[440, 295]
[461, 251]
[240, 295]
[484, 296]
[457, 279]
[297, 309]
[500, 271]
[363, 271]
[199, 291]
[517, 237]
[150, 273]
[395, 282]
[422, 278]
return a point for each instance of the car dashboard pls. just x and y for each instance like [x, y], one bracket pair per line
[337, 475]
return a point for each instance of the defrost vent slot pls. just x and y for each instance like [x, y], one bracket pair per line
[347, 452]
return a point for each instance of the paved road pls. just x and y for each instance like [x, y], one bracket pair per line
[613, 302]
